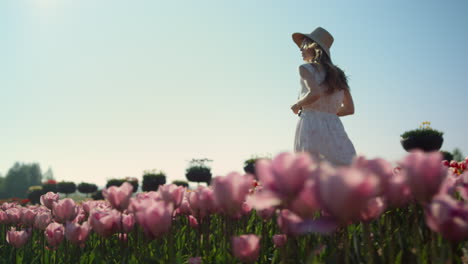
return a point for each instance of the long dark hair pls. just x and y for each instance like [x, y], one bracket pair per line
[335, 78]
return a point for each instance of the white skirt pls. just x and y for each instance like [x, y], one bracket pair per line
[323, 136]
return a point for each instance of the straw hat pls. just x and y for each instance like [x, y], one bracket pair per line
[319, 35]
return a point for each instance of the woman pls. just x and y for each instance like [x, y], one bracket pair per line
[324, 96]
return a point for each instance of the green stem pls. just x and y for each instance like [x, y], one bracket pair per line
[367, 240]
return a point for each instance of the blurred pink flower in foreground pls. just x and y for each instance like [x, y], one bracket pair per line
[128, 222]
[119, 197]
[284, 176]
[279, 240]
[42, 220]
[155, 218]
[230, 191]
[64, 210]
[202, 202]
[195, 260]
[105, 223]
[424, 173]
[448, 217]
[27, 216]
[172, 193]
[54, 234]
[49, 199]
[76, 233]
[14, 215]
[18, 238]
[345, 192]
[246, 248]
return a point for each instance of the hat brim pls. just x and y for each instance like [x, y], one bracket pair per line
[299, 37]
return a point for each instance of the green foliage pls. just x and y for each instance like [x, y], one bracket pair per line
[446, 155]
[20, 177]
[97, 195]
[87, 188]
[181, 183]
[119, 182]
[423, 130]
[152, 180]
[457, 155]
[114, 182]
[34, 194]
[49, 187]
[199, 171]
[199, 174]
[66, 187]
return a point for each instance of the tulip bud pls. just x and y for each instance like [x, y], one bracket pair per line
[246, 248]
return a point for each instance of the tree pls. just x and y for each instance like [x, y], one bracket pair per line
[48, 175]
[457, 155]
[198, 171]
[66, 187]
[181, 183]
[87, 188]
[20, 177]
[152, 180]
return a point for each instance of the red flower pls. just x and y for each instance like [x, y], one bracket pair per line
[25, 201]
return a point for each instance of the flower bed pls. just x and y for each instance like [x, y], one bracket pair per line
[298, 211]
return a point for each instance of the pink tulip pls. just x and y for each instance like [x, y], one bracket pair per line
[14, 215]
[49, 199]
[375, 207]
[172, 193]
[156, 218]
[398, 192]
[80, 216]
[184, 207]
[202, 202]
[279, 240]
[448, 217]
[285, 174]
[64, 210]
[424, 174]
[18, 238]
[119, 197]
[128, 221]
[195, 260]
[27, 216]
[192, 221]
[77, 234]
[230, 192]
[246, 247]
[306, 204]
[105, 223]
[54, 234]
[267, 213]
[42, 220]
[344, 192]
[288, 222]
[4, 218]
[6, 206]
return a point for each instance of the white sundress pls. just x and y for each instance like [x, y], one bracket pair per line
[319, 130]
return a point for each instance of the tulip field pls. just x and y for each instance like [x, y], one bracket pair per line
[295, 210]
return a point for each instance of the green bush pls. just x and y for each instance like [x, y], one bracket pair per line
[152, 181]
[181, 183]
[423, 130]
[87, 188]
[66, 187]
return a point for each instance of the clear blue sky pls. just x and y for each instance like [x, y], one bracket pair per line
[109, 88]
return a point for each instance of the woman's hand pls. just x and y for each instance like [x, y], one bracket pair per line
[295, 108]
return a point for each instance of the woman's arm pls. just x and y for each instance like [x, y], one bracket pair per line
[348, 104]
[312, 95]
